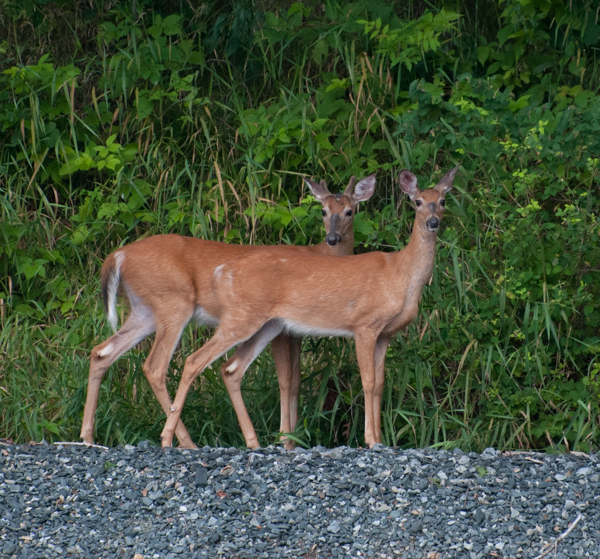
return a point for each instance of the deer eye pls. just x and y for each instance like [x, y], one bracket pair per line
[324, 213]
[418, 202]
[442, 202]
[349, 213]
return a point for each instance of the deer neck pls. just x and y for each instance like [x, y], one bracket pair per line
[415, 261]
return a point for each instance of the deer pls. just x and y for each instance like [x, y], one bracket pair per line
[368, 297]
[167, 282]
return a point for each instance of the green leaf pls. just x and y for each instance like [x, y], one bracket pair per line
[155, 31]
[504, 34]
[588, 310]
[319, 123]
[109, 30]
[483, 54]
[591, 34]
[24, 309]
[196, 57]
[320, 50]
[337, 84]
[295, 8]
[519, 104]
[285, 218]
[35, 269]
[170, 25]
[52, 427]
[581, 99]
[363, 225]
[112, 162]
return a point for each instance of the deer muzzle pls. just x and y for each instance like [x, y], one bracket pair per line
[433, 224]
[333, 239]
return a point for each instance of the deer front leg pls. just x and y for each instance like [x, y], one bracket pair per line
[380, 350]
[295, 355]
[365, 354]
[287, 363]
[194, 365]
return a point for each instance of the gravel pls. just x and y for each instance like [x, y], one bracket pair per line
[144, 502]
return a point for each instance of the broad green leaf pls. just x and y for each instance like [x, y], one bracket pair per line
[483, 54]
[170, 24]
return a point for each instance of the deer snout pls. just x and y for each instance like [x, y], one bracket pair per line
[433, 223]
[333, 239]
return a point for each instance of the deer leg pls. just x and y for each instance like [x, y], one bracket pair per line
[233, 373]
[135, 329]
[282, 355]
[156, 368]
[295, 354]
[286, 352]
[365, 354]
[221, 342]
[380, 351]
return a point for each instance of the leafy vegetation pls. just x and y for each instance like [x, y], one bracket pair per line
[122, 120]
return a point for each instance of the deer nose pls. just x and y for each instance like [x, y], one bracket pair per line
[433, 223]
[333, 239]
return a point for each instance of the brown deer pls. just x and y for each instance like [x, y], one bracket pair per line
[167, 280]
[369, 297]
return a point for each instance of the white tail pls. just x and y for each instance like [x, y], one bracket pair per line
[110, 290]
[167, 280]
[368, 297]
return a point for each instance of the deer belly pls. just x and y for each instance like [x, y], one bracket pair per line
[402, 320]
[200, 316]
[302, 329]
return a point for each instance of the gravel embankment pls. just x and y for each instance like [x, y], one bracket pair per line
[74, 501]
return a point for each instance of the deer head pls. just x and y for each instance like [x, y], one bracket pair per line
[430, 202]
[339, 209]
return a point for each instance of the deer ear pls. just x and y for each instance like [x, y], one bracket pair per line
[446, 182]
[408, 183]
[318, 189]
[363, 190]
[350, 188]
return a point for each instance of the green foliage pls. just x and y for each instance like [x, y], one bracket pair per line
[200, 121]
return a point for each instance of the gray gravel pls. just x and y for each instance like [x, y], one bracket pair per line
[144, 502]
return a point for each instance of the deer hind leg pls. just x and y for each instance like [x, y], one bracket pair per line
[224, 339]
[380, 350]
[157, 365]
[139, 324]
[365, 354]
[233, 372]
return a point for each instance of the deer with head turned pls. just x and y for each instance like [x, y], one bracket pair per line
[167, 280]
[368, 297]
